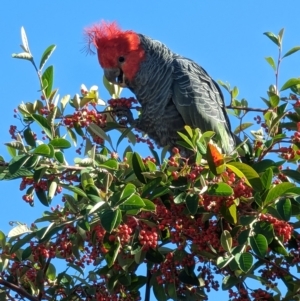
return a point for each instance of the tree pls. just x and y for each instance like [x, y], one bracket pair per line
[186, 221]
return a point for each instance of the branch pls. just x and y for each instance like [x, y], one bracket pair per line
[248, 109]
[18, 290]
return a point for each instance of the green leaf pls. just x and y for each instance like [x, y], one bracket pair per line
[76, 190]
[159, 292]
[43, 150]
[192, 203]
[180, 198]
[226, 241]
[278, 191]
[2, 240]
[243, 170]
[259, 245]
[220, 189]
[272, 37]
[48, 78]
[60, 143]
[149, 206]
[29, 138]
[263, 165]
[138, 167]
[271, 62]
[111, 256]
[267, 178]
[245, 261]
[42, 197]
[242, 127]
[47, 53]
[72, 136]
[293, 174]
[291, 51]
[59, 156]
[284, 208]
[99, 132]
[17, 162]
[187, 140]
[290, 83]
[277, 246]
[110, 219]
[20, 243]
[52, 188]
[133, 202]
[229, 281]
[42, 121]
[51, 272]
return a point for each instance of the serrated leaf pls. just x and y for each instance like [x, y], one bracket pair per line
[290, 83]
[259, 245]
[271, 62]
[291, 51]
[226, 241]
[45, 56]
[42, 121]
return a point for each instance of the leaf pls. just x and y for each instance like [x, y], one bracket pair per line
[75, 189]
[17, 162]
[226, 241]
[229, 281]
[187, 140]
[272, 37]
[42, 197]
[243, 170]
[42, 121]
[60, 143]
[99, 132]
[18, 231]
[52, 188]
[267, 178]
[271, 62]
[110, 219]
[29, 138]
[138, 167]
[245, 261]
[45, 56]
[48, 77]
[22, 56]
[278, 191]
[293, 174]
[215, 159]
[291, 51]
[192, 203]
[72, 136]
[259, 245]
[111, 256]
[133, 202]
[284, 208]
[43, 150]
[20, 243]
[220, 189]
[242, 127]
[24, 40]
[290, 83]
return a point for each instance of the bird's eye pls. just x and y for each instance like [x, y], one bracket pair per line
[121, 59]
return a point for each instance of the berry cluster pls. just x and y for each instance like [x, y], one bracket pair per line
[83, 117]
[282, 228]
[122, 102]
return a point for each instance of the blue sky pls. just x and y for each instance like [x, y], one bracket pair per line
[225, 37]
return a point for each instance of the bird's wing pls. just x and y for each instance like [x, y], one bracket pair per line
[199, 100]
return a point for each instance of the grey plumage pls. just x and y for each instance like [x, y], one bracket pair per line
[174, 91]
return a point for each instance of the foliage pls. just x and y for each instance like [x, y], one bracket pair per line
[185, 220]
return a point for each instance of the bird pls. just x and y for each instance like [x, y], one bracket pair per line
[173, 91]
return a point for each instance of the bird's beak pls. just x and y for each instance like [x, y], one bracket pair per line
[115, 76]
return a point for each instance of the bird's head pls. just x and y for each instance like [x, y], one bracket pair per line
[120, 52]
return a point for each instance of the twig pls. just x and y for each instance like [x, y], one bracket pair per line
[18, 290]
[248, 109]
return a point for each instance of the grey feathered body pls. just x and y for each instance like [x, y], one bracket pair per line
[174, 91]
